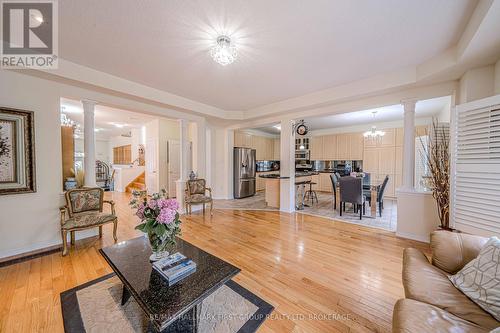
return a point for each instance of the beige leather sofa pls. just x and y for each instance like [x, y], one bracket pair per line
[432, 302]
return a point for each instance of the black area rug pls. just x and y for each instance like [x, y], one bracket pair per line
[96, 307]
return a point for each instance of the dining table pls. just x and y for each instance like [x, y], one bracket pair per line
[373, 186]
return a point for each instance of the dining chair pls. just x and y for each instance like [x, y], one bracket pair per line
[351, 191]
[380, 195]
[334, 179]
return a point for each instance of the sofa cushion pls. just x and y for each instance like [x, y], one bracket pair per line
[87, 220]
[451, 251]
[426, 283]
[412, 316]
[480, 278]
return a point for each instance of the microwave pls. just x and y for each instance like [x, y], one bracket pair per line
[302, 155]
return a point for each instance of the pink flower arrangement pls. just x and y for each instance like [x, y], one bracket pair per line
[158, 214]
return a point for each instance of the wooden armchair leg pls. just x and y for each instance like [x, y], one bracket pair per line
[72, 235]
[115, 226]
[203, 209]
[211, 208]
[100, 231]
[64, 235]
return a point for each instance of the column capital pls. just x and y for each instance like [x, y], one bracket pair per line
[409, 104]
[88, 102]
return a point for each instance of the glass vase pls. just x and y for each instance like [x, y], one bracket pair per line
[160, 245]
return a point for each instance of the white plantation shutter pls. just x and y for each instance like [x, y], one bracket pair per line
[476, 170]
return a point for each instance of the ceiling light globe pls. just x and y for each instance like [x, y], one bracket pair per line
[223, 52]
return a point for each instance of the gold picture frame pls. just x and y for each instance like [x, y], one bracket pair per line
[17, 151]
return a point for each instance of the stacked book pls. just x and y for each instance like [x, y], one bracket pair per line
[175, 267]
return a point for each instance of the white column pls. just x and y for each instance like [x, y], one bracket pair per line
[409, 145]
[184, 151]
[89, 142]
[201, 148]
[287, 166]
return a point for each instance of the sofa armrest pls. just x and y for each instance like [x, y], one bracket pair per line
[451, 251]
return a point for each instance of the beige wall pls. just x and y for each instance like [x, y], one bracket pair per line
[417, 215]
[476, 84]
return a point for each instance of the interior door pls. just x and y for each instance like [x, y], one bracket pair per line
[174, 165]
[151, 166]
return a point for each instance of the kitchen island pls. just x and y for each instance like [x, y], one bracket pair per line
[272, 195]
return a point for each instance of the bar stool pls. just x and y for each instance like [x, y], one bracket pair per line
[311, 194]
[300, 205]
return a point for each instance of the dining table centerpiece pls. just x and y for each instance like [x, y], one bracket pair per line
[159, 221]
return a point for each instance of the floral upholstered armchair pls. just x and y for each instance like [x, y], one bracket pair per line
[196, 194]
[84, 208]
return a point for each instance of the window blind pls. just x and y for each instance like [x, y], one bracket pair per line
[476, 182]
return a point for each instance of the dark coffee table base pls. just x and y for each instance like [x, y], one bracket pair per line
[187, 323]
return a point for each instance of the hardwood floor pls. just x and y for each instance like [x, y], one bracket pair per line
[320, 275]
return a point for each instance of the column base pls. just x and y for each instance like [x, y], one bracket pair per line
[180, 186]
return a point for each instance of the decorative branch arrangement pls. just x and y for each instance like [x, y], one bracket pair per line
[437, 157]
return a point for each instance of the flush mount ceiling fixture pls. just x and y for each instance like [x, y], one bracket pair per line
[223, 52]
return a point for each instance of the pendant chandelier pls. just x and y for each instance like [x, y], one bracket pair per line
[374, 134]
[223, 52]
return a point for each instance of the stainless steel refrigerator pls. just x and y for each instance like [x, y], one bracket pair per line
[244, 172]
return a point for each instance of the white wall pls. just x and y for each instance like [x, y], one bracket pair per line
[31, 221]
[477, 83]
[102, 150]
[497, 78]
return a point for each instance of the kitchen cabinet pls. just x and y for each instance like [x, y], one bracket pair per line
[242, 139]
[346, 146]
[329, 147]
[315, 179]
[389, 139]
[325, 184]
[370, 160]
[343, 147]
[265, 147]
[399, 136]
[260, 183]
[356, 146]
[276, 149]
[386, 160]
[316, 148]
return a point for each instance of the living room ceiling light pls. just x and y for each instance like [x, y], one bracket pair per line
[223, 52]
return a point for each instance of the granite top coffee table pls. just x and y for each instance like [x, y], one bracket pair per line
[170, 309]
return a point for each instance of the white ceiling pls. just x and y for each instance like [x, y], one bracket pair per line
[423, 109]
[108, 121]
[286, 48]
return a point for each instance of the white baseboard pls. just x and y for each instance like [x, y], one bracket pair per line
[420, 238]
[47, 244]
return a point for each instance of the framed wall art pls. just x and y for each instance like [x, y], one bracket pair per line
[17, 151]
